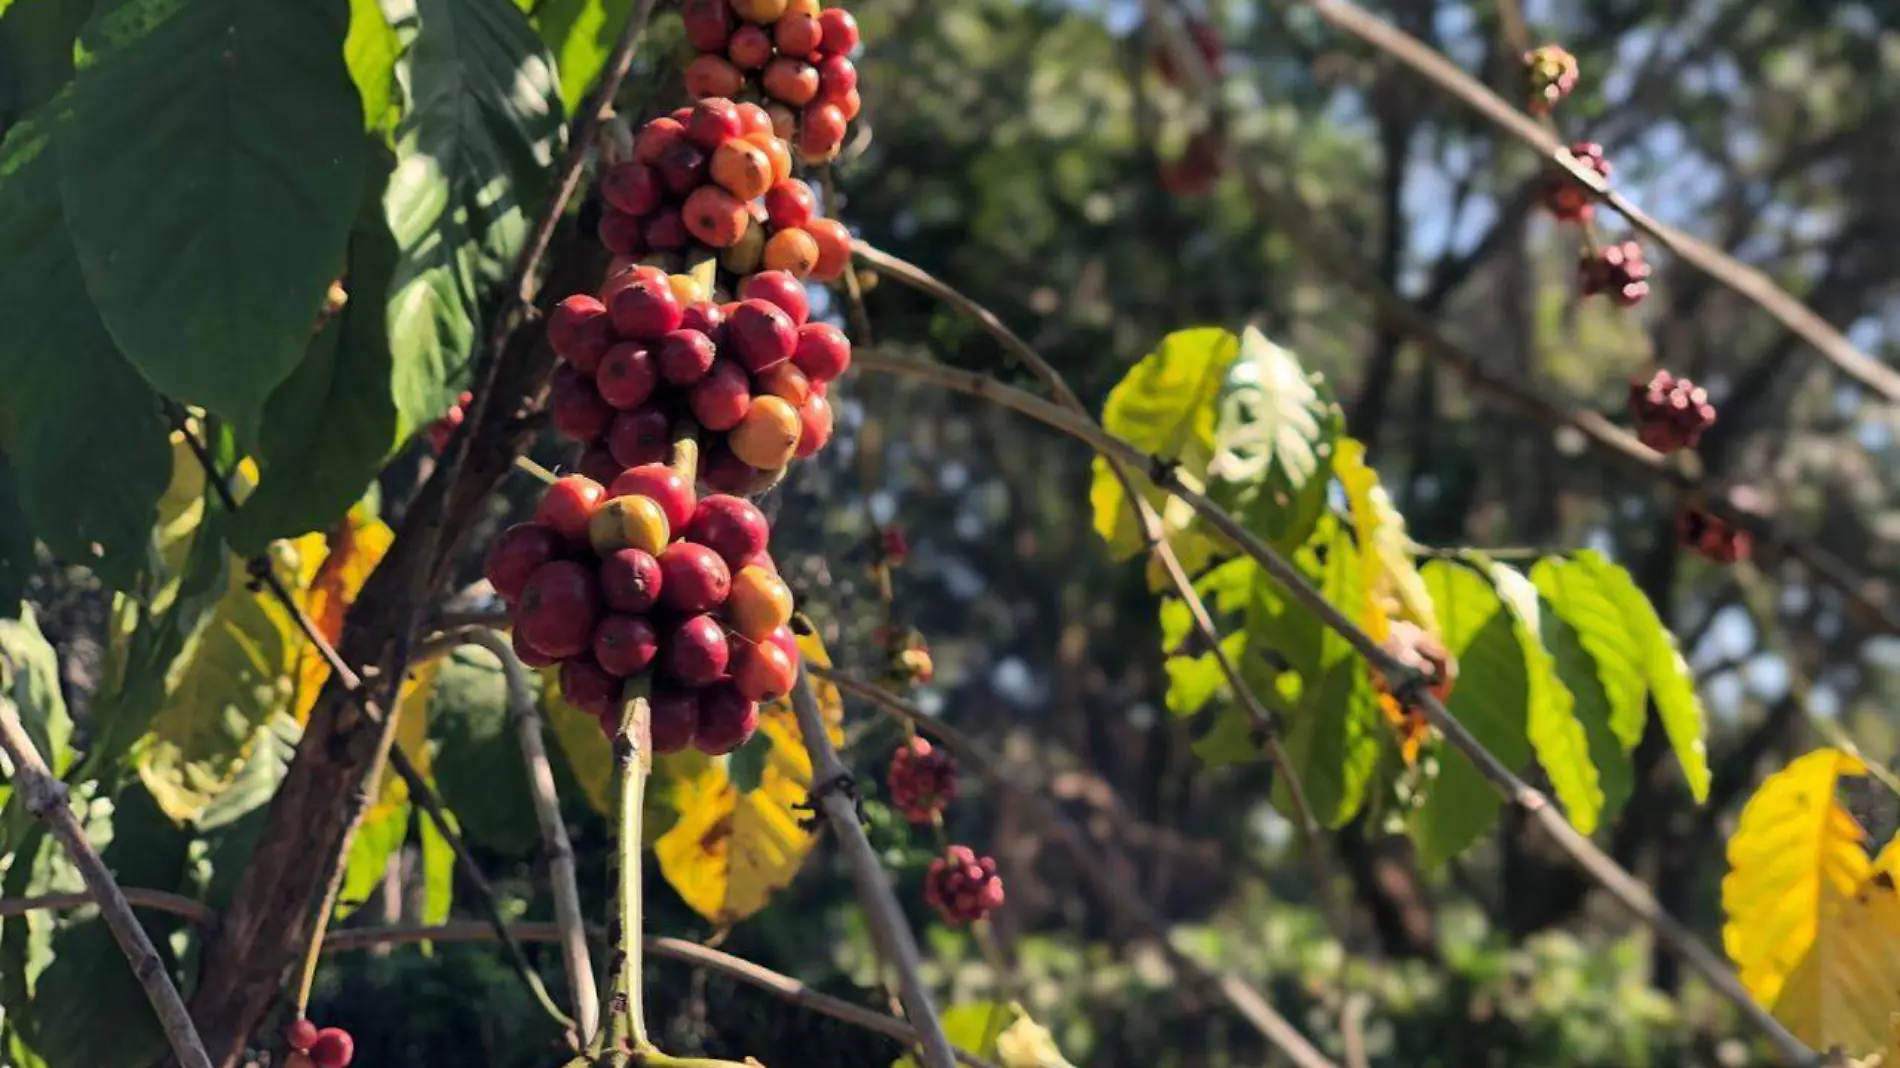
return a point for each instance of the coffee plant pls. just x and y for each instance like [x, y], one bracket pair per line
[422, 501]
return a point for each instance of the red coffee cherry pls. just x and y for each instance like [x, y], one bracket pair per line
[675, 716]
[630, 581]
[962, 886]
[580, 332]
[333, 1048]
[641, 436]
[730, 526]
[664, 486]
[762, 671]
[685, 355]
[694, 651]
[626, 377]
[568, 506]
[727, 719]
[625, 645]
[840, 31]
[761, 334]
[720, 400]
[300, 1035]
[923, 780]
[693, 578]
[559, 608]
[516, 554]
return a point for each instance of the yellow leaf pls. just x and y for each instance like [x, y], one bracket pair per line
[333, 567]
[412, 736]
[1814, 925]
[729, 852]
[1388, 574]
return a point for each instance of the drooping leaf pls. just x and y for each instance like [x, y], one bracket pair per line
[46, 309]
[331, 424]
[1577, 591]
[371, 50]
[208, 175]
[478, 761]
[1557, 737]
[730, 851]
[1492, 700]
[580, 33]
[1168, 405]
[1671, 683]
[1273, 442]
[1392, 588]
[482, 124]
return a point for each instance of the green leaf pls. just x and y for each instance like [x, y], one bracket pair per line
[972, 1028]
[1167, 405]
[1557, 736]
[29, 675]
[17, 558]
[476, 139]
[87, 409]
[582, 746]
[1492, 700]
[438, 872]
[1229, 741]
[36, 51]
[1583, 592]
[580, 34]
[1193, 681]
[1273, 442]
[233, 680]
[1671, 684]
[370, 51]
[265, 763]
[330, 426]
[478, 763]
[208, 176]
[746, 767]
[376, 841]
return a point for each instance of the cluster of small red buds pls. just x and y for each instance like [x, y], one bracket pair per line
[1566, 198]
[1670, 413]
[1551, 74]
[1618, 270]
[963, 886]
[1711, 537]
[923, 780]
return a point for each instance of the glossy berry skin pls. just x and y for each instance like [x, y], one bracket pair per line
[630, 522]
[694, 651]
[822, 130]
[625, 645]
[559, 608]
[753, 121]
[630, 581]
[713, 122]
[962, 886]
[713, 76]
[597, 462]
[332, 1048]
[822, 351]
[814, 425]
[1670, 413]
[837, 78]
[742, 169]
[568, 505]
[576, 408]
[761, 334]
[529, 655]
[790, 81]
[641, 436]
[733, 527]
[589, 687]
[675, 717]
[840, 28]
[1617, 269]
[786, 640]
[790, 203]
[1712, 538]
[793, 251]
[715, 217]
[786, 381]
[579, 332]
[300, 1035]
[758, 604]
[834, 248]
[721, 399]
[708, 24]
[516, 554]
[762, 672]
[694, 578]
[655, 138]
[645, 312]
[727, 719]
[780, 289]
[704, 317]
[662, 485]
[686, 355]
[767, 437]
[626, 377]
[797, 34]
[923, 780]
[631, 187]
[775, 146]
[751, 48]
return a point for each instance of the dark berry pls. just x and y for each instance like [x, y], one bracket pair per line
[761, 334]
[588, 686]
[708, 24]
[727, 719]
[730, 526]
[597, 462]
[559, 608]
[683, 167]
[625, 645]
[630, 581]
[576, 408]
[641, 436]
[666, 231]
[622, 234]
[631, 187]
[724, 472]
[694, 651]
[579, 331]
[529, 655]
[704, 317]
[516, 554]
[923, 780]
[1670, 413]
[693, 578]
[962, 886]
[675, 717]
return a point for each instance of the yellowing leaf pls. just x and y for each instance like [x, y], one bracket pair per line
[1794, 854]
[1392, 586]
[412, 737]
[1028, 1044]
[730, 851]
[334, 566]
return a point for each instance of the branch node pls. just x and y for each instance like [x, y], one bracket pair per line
[1162, 471]
[841, 783]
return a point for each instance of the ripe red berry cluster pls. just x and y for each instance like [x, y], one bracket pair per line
[754, 374]
[797, 56]
[641, 580]
[1567, 199]
[923, 780]
[1711, 537]
[1617, 269]
[440, 431]
[962, 886]
[330, 1047]
[1550, 74]
[1670, 413]
[716, 175]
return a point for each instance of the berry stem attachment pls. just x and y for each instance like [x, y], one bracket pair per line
[535, 469]
[684, 457]
[633, 760]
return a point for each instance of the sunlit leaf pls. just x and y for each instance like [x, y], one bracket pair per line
[412, 737]
[1557, 737]
[371, 50]
[580, 33]
[1273, 442]
[973, 1028]
[334, 566]
[1391, 588]
[378, 838]
[438, 872]
[1601, 662]
[29, 676]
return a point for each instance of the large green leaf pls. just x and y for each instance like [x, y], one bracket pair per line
[329, 427]
[1273, 442]
[438, 871]
[1557, 736]
[36, 51]
[71, 402]
[17, 558]
[1671, 684]
[371, 50]
[1168, 405]
[580, 33]
[29, 676]
[232, 681]
[378, 839]
[1583, 593]
[208, 176]
[481, 127]
[478, 762]
[1492, 700]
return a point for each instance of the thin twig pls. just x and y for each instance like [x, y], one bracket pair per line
[562, 880]
[834, 795]
[1407, 683]
[1744, 280]
[1018, 783]
[196, 912]
[45, 797]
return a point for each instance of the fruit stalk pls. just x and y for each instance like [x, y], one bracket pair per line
[633, 759]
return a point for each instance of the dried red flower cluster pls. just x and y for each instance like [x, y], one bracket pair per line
[962, 886]
[1670, 413]
[1618, 270]
[923, 780]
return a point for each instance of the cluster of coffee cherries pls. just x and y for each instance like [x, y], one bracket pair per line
[1669, 413]
[794, 55]
[962, 886]
[651, 349]
[1550, 73]
[329, 1047]
[640, 583]
[1616, 269]
[715, 176]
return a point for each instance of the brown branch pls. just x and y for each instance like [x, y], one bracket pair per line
[197, 913]
[1744, 280]
[45, 798]
[833, 794]
[1017, 782]
[1408, 684]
